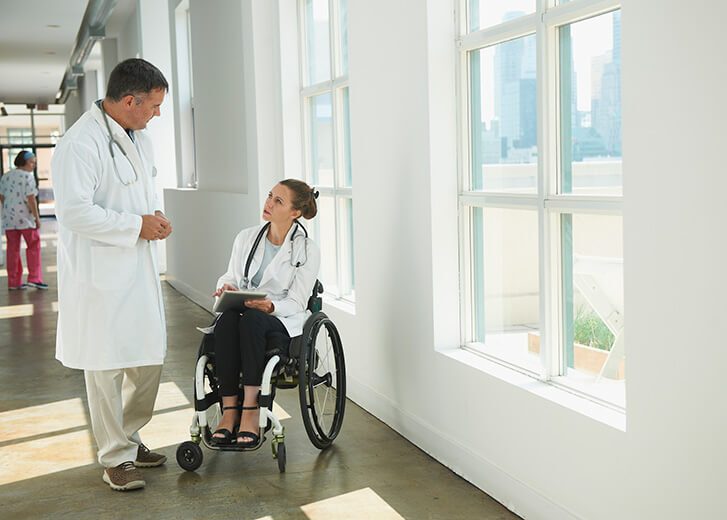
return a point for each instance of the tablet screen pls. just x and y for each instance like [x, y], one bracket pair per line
[234, 300]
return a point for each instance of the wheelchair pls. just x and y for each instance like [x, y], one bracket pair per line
[313, 362]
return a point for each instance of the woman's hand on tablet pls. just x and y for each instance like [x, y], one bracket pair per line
[261, 305]
[225, 287]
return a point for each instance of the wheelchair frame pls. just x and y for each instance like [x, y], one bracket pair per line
[296, 367]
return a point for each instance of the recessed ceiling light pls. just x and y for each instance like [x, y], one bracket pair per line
[53, 26]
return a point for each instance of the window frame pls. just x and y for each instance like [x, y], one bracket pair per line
[338, 192]
[549, 203]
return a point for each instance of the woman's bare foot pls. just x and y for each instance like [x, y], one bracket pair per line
[230, 418]
[228, 422]
[250, 419]
[250, 422]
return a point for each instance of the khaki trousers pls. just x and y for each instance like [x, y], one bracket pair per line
[121, 402]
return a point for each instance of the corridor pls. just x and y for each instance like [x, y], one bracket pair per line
[47, 466]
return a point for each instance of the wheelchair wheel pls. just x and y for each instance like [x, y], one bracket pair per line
[189, 456]
[322, 380]
[281, 457]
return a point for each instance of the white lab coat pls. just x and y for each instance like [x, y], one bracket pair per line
[279, 274]
[110, 308]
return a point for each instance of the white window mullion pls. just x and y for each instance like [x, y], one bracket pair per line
[545, 114]
[498, 200]
[571, 12]
[325, 86]
[569, 203]
[517, 28]
[466, 276]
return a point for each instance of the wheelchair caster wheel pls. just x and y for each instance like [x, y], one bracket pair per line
[281, 457]
[189, 456]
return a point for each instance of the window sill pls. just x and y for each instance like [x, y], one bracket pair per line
[346, 306]
[598, 412]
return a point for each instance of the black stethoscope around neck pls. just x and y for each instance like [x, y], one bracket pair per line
[263, 231]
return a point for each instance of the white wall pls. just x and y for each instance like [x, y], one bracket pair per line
[155, 36]
[219, 85]
[674, 214]
[503, 432]
[128, 42]
[73, 108]
[238, 133]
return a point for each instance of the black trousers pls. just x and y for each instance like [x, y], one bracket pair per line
[240, 341]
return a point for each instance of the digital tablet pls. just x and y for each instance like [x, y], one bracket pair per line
[234, 299]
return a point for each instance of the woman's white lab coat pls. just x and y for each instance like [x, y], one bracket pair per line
[110, 308]
[291, 309]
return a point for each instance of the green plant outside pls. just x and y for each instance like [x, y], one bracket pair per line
[590, 330]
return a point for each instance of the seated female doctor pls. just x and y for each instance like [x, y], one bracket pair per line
[277, 258]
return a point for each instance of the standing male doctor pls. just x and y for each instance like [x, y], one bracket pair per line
[110, 312]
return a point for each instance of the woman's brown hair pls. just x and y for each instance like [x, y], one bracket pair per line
[304, 197]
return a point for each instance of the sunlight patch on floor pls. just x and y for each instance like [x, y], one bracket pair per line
[59, 452]
[169, 396]
[48, 269]
[279, 412]
[16, 311]
[357, 505]
[4, 272]
[46, 455]
[61, 415]
[167, 429]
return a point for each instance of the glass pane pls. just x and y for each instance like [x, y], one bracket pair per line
[506, 306]
[345, 141]
[343, 35]
[590, 95]
[321, 140]
[503, 117]
[318, 45]
[45, 181]
[593, 302]
[325, 236]
[486, 13]
[345, 228]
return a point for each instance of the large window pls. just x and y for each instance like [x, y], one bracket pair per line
[541, 190]
[326, 134]
[185, 96]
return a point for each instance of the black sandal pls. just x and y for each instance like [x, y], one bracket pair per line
[254, 437]
[228, 437]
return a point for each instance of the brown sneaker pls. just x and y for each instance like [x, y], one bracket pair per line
[124, 477]
[148, 459]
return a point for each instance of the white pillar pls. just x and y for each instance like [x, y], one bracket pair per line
[153, 16]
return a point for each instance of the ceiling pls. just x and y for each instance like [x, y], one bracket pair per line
[34, 53]
[36, 41]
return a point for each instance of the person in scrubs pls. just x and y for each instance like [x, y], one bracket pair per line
[111, 320]
[21, 218]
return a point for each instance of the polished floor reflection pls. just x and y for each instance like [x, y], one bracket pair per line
[47, 460]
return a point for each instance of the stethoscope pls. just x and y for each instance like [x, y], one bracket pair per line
[112, 142]
[297, 264]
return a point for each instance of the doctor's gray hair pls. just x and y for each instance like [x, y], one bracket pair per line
[134, 77]
[304, 197]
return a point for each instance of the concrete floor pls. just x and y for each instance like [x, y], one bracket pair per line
[47, 458]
